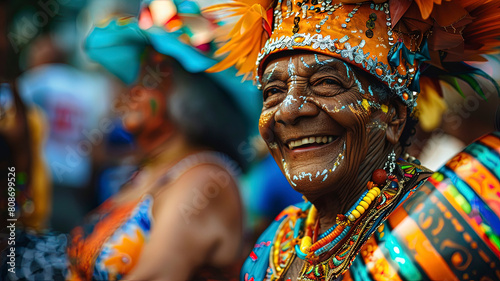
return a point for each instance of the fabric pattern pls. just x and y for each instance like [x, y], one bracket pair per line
[448, 228]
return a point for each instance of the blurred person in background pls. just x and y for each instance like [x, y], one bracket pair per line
[76, 103]
[44, 48]
[22, 135]
[180, 216]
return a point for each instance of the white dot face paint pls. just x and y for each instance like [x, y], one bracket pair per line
[302, 176]
[293, 77]
[325, 62]
[291, 69]
[287, 173]
[304, 63]
[273, 145]
[304, 101]
[358, 83]
[348, 69]
[288, 100]
[272, 71]
[324, 174]
[329, 103]
[370, 90]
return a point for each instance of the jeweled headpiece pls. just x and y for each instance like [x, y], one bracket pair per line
[397, 41]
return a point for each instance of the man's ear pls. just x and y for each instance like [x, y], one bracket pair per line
[397, 122]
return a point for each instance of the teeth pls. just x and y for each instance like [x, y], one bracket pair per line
[320, 140]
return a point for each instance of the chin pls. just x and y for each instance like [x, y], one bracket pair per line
[317, 187]
[132, 125]
[313, 167]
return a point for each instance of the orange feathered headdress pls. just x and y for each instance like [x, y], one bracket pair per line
[397, 40]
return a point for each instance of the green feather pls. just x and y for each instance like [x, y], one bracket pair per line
[469, 79]
[454, 83]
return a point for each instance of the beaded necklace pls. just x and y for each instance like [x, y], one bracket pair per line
[330, 254]
[337, 232]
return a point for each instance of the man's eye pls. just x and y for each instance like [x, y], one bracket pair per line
[271, 91]
[326, 81]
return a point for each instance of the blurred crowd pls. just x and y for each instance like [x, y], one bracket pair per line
[61, 122]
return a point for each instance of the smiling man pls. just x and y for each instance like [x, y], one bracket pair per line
[340, 83]
[329, 124]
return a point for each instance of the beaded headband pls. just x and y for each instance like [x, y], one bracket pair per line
[392, 40]
[360, 34]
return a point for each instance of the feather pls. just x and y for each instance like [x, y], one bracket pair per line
[473, 83]
[452, 81]
[431, 104]
[247, 36]
[462, 71]
[398, 8]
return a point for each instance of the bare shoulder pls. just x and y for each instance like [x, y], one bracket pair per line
[202, 191]
[193, 220]
[206, 205]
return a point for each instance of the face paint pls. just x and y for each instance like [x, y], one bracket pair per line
[337, 108]
[272, 71]
[303, 175]
[360, 86]
[322, 62]
[304, 101]
[348, 69]
[273, 145]
[370, 90]
[154, 106]
[303, 62]
[291, 69]
[340, 157]
[265, 117]
[293, 77]
[325, 172]
[288, 100]
[287, 173]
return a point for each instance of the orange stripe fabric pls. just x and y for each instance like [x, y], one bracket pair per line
[409, 233]
[478, 178]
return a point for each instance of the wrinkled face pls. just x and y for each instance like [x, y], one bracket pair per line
[319, 119]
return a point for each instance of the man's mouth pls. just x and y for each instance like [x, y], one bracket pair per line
[310, 141]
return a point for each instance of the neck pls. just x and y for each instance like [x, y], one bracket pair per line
[340, 201]
[152, 141]
[165, 149]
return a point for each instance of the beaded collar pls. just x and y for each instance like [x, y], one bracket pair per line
[329, 255]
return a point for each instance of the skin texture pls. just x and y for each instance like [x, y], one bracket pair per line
[187, 233]
[313, 95]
